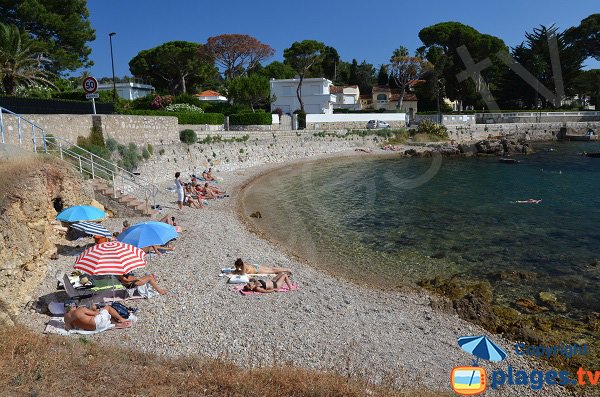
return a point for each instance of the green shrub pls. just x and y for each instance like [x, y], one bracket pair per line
[219, 139]
[188, 136]
[96, 137]
[111, 144]
[301, 119]
[430, 128]
[150, 148]
[161, 151]
[129, 156]
[188, 99]
[258, 118]
[183, 117]
[145, 154]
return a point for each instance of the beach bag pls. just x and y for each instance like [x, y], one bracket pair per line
[121, 309]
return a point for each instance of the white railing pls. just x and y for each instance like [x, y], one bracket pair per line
[87, 163]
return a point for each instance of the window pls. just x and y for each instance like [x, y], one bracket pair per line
[382, 97]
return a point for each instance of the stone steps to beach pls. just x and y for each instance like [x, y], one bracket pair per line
[131, 202]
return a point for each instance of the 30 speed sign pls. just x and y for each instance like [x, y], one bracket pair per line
[90, 85]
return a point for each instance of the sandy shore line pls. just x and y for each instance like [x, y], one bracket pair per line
[327, 324]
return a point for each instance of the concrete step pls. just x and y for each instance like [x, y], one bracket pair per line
[137, 204]
[125, 199]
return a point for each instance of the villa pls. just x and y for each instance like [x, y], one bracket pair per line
[316, 95]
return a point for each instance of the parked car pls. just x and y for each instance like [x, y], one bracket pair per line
[377, 124]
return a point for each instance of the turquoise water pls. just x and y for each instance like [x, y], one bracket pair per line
[396, 221]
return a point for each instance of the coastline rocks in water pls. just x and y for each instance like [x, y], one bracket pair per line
[501, 147]
[528, 305]
[516, 276]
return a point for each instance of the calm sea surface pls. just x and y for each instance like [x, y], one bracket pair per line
[393, 222]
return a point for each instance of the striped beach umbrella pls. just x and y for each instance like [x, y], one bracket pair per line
[112, 257]
[81, 213]
[92, 229]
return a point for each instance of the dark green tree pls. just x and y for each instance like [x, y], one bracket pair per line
[253, 90]
[329, 63]
[60, 30]
[587, 84]
[175, 67]
[586, 36]
[441, 42]
[277, 70]
[302, 56]
[534, 55]
[383, 75]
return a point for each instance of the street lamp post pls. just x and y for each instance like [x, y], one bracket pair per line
[112, 61]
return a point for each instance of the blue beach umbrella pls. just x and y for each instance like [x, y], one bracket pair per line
[92, 229]
[81, 213]
[481, 347]
[148, 233]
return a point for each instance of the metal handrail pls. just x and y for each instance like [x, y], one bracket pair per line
[87, 162]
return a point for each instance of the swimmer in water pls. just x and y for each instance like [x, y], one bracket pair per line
[530, 201]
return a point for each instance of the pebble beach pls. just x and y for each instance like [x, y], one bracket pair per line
[328, 323]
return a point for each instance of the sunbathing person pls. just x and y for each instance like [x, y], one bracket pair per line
[170, 220]
[207, 175]
[156, 249]
[192, 199]
[242, 268]
[91, 319]
[266, 286]
[130, 281]
[214, 191]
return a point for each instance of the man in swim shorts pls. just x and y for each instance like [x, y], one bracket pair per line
[90, 319]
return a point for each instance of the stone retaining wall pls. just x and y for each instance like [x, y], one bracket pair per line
[123, 128]
[528, 131]
[349, 125]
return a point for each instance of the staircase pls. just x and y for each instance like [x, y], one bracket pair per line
[108, 179]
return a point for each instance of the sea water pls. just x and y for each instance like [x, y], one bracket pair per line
[395, 221]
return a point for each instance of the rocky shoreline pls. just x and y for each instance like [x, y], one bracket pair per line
[328, 324]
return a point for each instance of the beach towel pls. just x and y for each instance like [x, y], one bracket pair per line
[285, 288]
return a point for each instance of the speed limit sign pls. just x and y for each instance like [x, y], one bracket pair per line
[90, 85]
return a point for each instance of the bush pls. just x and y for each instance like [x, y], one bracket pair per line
[161, 151]
[129, 156]
[258, 118]
[183, 117]
[142, 103]
[145, 154]
[111, 144]
[150, 148]
[187, 99]
[160, 102]
[301, 119]
[183, 107]
[188, 136]
[433, 129]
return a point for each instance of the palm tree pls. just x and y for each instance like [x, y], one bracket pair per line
[19, 63]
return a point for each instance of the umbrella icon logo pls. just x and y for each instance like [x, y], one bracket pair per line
[471, 380]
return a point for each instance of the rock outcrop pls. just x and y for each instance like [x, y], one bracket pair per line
[33, 188]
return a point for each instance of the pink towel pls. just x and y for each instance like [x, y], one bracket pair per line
[285, 288]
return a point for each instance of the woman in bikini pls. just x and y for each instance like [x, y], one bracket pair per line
[243, 268]
[267, 286]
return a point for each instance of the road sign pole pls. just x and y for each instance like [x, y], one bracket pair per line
[94, 105]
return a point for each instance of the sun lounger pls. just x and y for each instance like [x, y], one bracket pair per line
[104, 290]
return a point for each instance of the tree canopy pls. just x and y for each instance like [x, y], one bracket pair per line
[405, 69]
[252, 90]
[301, 56]
[174, 66]
[441, 43]
[236, 53]
[277, 70]
[586, 36]
[60, 29]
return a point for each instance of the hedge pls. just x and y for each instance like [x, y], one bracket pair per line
[183, 117]
[258, 118]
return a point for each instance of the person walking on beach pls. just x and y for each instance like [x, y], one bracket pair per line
[179, 187]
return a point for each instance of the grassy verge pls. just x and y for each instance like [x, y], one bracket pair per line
[35, 365]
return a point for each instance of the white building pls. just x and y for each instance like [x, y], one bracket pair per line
[128, 90]
[315, 95]
[211, 96]
[346, 97]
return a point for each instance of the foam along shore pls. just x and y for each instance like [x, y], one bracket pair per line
[328, 323]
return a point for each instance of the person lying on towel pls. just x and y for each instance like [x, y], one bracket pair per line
[269, 285]
[91, 319]
[243, 268]
[131, 281]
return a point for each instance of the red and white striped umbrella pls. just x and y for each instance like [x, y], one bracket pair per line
[112, 257]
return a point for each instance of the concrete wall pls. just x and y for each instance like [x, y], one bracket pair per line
[528, 131]
[123, 128]
[536, 117]
[260, 148]
[352, 120]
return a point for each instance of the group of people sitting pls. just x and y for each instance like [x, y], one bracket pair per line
[195, 193]
[282, 277]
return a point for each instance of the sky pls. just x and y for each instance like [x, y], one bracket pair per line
[365, 30]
